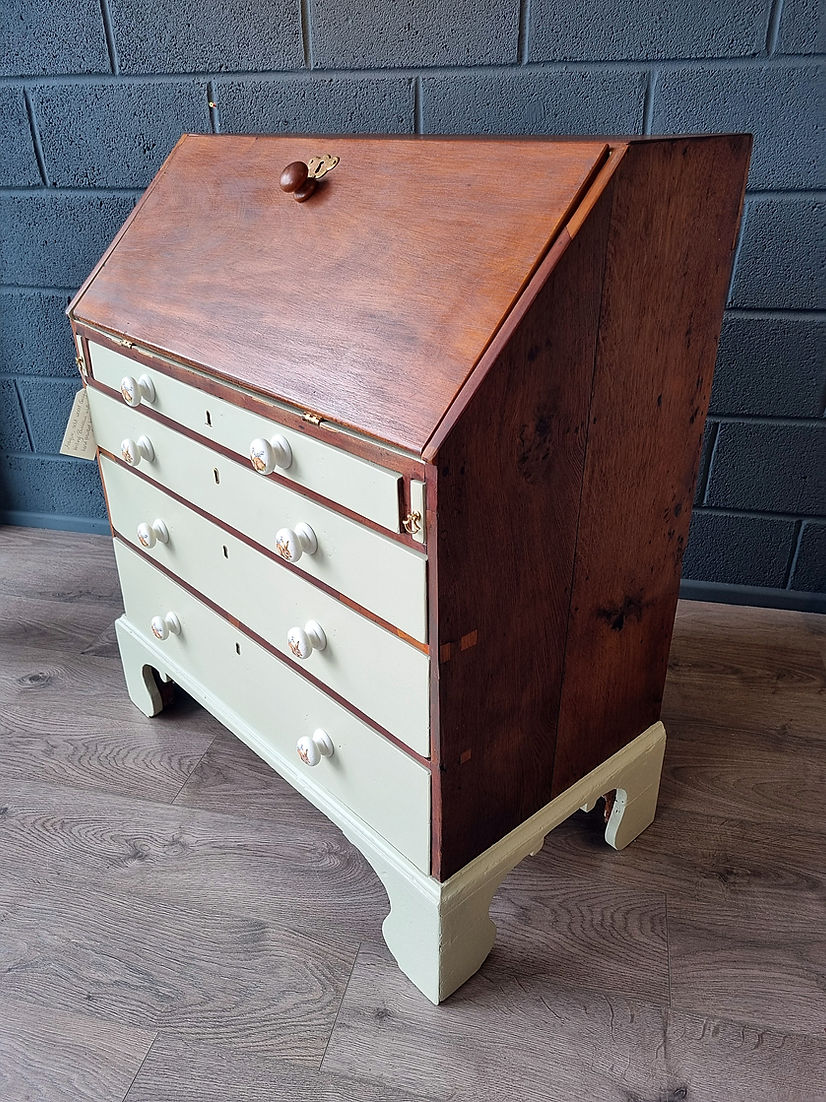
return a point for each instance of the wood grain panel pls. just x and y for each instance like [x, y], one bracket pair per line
[509, 476]
[180, 1071]
[738, 771]
[36, 745]
[500, 1037]
[86, 567]
[571, 1044]
[50, 627]
[733, 961]
[772, 678]
[370, 303]
[674, 222]
[203, 854]
[583, 933]
[227, 979]
[48, 1055]
[705, 1052]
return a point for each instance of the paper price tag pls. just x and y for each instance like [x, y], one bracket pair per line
[79, 437]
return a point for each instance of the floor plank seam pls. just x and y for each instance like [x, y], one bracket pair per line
[191, 773]
[340, 1005]
[667, 946]
[666, 1055]
[137, 1073]
[103, 793]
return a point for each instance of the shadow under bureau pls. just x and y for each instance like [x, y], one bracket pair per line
[400, 477]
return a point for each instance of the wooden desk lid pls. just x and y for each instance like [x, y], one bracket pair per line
[371, 302]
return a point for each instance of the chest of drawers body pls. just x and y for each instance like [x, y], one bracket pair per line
[400, 478]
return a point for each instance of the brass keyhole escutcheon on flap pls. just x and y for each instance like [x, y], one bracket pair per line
[301, 179]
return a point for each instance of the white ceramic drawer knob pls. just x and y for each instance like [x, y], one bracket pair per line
[291, 543]
[163, 625]
[134, 391]
[312, 748]
[133, 451]
[266, 455]
[303, 641]
[150, 534]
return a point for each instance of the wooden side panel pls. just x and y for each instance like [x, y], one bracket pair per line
[509, 481]
[674, 223]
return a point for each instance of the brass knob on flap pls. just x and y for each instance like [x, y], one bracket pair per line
[301, 179]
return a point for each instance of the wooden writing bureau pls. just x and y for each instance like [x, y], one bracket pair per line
[400, 476]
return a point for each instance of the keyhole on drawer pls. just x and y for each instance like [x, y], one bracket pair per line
[208, 418]
[237, 648]
[216, 476]
[226, 553]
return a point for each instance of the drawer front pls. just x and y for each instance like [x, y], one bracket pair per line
[373, 570]
[373, 669]
[376, 780]
[365, 488]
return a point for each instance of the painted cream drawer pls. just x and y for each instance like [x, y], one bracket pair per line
[367, 489]
[373, 669]
[373, 570]
[366, 772]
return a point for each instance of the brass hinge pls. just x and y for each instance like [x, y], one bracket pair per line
[312, 418]
[412, 523]
[123, 341]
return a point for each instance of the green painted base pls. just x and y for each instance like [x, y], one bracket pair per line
[439, 933]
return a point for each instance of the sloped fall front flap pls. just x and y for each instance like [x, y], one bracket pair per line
[371, 302]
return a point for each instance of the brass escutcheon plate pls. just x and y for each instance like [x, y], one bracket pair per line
[320, 166]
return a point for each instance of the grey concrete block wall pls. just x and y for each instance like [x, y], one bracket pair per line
[45, 36]
[114, 135]
[340, 105]
[37, 489]
[13, 434]
[769, 467]
[188, 36]
[721, 545]
[40, 398]
[645, 29]
[809, 569]
[94, 94]
[782, 257]
[785, 109]
[803, 27]
[33, 334]
[18, 168]
[770, 366]
[53, 238]
[532, 102]
[362, 34]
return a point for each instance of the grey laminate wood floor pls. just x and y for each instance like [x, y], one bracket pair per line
[176, 924]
